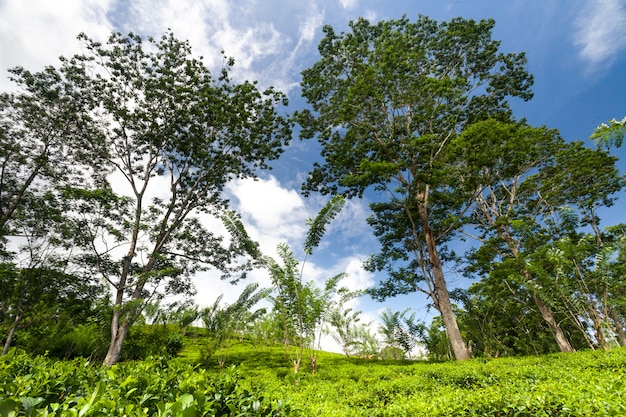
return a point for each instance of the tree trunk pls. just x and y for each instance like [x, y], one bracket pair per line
[118, 331]
[546, 313]
[461, 351]
[442, 297]
[7, 343]
[115, 347]
[619, 326]
[548, 316]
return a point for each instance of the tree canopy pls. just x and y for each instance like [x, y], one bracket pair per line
[387, 100]
[163, 136]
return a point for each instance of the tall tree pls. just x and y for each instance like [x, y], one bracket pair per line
[530, 174]
[508, 214]
[387, 99]
[170, 136]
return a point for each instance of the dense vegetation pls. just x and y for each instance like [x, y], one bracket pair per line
[92, 242]
[263, 384]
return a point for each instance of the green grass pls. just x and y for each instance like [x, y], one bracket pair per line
[262, 382]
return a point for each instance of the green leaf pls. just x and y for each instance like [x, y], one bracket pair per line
[95, 396]
[317, 226]
[9, 407]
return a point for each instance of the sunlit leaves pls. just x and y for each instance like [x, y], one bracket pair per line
[611, 134]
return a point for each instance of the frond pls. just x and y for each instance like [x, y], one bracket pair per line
[318, 225]
[240, 236]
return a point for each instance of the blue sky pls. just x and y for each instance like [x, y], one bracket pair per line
[576, 50]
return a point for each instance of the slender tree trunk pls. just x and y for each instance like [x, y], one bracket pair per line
[115, 348]
[544, 309]
[442, 301]
[548, 316]
[619, 326]
[461, 351]
[118, 331]
[7, 343]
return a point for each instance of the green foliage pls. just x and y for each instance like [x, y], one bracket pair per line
[222, 322]
[302, 307]
[317, 226]
[37, 304]
[400, 332]
[387, 101]
[580, 384]
[145, 340]
[154, 387]
[354, 338]
[611, 134]
[168, 119]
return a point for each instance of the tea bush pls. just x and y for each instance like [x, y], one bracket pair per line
[154, 387]
[262, 384]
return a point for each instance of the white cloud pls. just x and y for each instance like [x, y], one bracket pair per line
[35, 33]
[271, 210]
[348, 4]
[601, 31]
[188, 20]
[358, 278]
[312, 21]
[211, 26]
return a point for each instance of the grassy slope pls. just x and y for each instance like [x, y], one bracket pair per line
[579, 384]
[584, 383]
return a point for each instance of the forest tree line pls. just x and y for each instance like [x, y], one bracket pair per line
[112, 160]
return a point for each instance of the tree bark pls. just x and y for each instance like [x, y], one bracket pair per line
[442, 297]
[118, 331]
[548, 316]
[619, 326]
[7, 343]
[115, 347]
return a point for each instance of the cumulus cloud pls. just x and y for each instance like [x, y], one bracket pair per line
[269, 209]
[35, 33]
[600, 31]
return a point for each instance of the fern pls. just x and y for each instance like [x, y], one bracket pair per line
[318, 225]
[240, 236]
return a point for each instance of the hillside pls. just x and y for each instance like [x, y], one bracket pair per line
[259, 381]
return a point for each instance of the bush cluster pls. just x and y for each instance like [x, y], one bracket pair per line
[154, 387]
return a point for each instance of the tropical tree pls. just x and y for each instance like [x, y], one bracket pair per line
[222, 322]
[169, 135]
[387, 99]
[591, 284]
[526, 176]
[345, 325]
[498, 317]
[509, 213]
[302, 306]
[400, 331]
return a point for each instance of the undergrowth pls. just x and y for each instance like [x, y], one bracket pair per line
[260, 382]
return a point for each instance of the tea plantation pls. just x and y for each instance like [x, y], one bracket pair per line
[259, 382]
